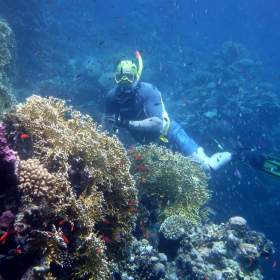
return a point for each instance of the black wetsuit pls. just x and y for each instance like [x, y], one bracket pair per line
[142, 102]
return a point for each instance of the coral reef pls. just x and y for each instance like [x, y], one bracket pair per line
[6, 154]
[170, 182]
[225, 93]
[174, 227]
[144, 262]
[225, 251]
[8, 165]
[6, 58]
[77, 200]
[70, 143]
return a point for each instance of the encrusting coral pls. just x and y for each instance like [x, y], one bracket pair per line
[170, 182]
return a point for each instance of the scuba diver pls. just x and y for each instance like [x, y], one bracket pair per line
[139, 108]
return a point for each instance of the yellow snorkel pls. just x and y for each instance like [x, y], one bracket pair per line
[140, 65]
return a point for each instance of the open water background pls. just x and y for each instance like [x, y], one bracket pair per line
[56, 38]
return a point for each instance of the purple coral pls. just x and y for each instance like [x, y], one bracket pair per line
[8, 162]
[6, 154]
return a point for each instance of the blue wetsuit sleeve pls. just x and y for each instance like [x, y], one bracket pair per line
[153, 104]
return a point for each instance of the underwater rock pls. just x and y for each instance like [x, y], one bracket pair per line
[237, 223]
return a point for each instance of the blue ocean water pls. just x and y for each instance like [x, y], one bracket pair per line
[64, 47]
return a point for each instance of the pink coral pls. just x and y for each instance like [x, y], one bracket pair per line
[6, 154]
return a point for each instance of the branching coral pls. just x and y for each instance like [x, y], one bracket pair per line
[90, 254]
[170, 181]
[51, 192]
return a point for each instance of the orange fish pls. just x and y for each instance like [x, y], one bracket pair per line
[99, 251]
[5, 235]
[106, 222]
[132, 202]
[18, 251]
[62, 222]
[142, 168]
[106, 239]
[23, 136]
[137, 156]
[65, 238]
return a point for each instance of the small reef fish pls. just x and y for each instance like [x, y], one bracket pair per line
[137, 156]
[107, 222]
[237, 173]
[65, 238]
[142, 168]
[5, 235]
[24, 136]
[132, 202]
[106, 239]
[18, 250]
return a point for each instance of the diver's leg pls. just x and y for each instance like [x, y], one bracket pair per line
[187, 146]
[180, 140]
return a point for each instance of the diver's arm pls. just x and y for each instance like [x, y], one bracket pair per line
[154, 110]
[109, 118]
[153, 124]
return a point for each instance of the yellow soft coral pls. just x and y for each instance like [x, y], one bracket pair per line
[95, 165]
[176, 184]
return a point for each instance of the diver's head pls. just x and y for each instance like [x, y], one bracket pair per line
[128, 73]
